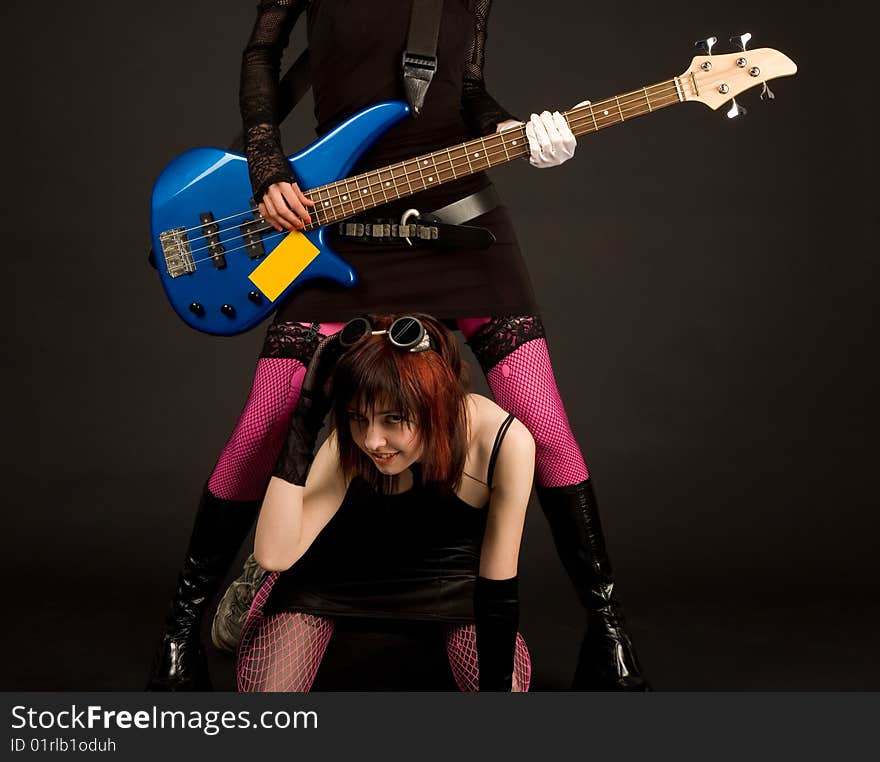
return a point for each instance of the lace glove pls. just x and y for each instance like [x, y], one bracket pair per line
[266, 161]
[308, 415]
[496, 617]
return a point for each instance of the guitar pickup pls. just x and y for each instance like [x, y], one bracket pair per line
[177, 252]
[251, 231]
[211, 231]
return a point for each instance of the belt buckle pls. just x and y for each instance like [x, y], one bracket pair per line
[404, 217]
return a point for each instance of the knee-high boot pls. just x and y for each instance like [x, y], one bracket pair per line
[218, 532]
[607, 658]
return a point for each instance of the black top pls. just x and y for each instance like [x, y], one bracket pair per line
[356, 49]
[414, 555]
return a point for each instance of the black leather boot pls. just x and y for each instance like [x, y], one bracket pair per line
[607, 660]
[218, 532]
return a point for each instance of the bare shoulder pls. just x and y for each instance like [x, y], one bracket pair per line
[486, 417]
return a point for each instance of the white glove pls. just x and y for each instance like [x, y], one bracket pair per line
[551, 141]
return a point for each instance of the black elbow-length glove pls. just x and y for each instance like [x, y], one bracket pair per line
[308, 414]
[496, 617]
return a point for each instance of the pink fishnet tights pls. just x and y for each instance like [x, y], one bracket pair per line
[461, 650]
[246, 462]
[523, 384]
[282, 652]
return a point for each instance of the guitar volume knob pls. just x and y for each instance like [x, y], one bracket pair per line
[197, 309]
[228, 310]
[255, 296]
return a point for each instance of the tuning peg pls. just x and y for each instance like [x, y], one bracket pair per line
[767, 93]
[736, 110]
[740, 41]
[705, 46]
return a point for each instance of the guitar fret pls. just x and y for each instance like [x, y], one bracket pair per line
[647, 98]
[468, 158]
[446, 170]
[504, 146]
[346, 199]
[593, 115]
[406, 175]
[315, 211]
[436, 172]
[325, 204]
[451, 163]
[617, 100]
[383, 185]
[363, 192]
[398, 171]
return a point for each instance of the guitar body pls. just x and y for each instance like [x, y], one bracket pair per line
[223, 270]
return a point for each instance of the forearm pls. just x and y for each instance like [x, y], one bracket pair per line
[258, 93]
[481, 112]
[279, 527]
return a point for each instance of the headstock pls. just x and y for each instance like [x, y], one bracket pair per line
[717, 79]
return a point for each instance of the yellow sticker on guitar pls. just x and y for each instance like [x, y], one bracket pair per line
[287, 260]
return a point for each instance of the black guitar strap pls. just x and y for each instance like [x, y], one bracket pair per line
[420, 56]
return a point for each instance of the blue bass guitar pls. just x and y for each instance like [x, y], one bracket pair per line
[225, 270]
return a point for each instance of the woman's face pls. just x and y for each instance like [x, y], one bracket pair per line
[392, 443]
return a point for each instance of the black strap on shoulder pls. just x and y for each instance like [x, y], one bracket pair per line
[420, 56]
[499, 438]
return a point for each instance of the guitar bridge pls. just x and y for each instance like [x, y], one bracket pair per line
[177, 252]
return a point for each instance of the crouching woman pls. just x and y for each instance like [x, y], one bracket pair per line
[412, 510]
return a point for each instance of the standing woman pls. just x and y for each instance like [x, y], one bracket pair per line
[412, 511]
[356, 51]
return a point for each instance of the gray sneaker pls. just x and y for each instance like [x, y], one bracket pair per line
[233, 607]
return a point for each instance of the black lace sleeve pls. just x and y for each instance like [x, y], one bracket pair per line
[481, 111]
[258, 94]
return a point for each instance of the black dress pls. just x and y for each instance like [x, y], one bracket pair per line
[411, 556]
[356, 49]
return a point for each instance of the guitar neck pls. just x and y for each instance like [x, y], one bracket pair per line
[346, 198]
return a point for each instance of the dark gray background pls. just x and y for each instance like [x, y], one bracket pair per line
[707, 287]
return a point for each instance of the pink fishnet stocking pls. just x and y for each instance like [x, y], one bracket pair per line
[461, 650]
[281, 652]
[243, 468]
[523, 384]
[246, 462]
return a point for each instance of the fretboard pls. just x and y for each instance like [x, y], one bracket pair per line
[345, 198]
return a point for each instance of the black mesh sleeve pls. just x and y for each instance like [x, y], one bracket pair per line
[258, 93]
[481, 111]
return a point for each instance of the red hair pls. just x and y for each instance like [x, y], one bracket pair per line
[427, 388]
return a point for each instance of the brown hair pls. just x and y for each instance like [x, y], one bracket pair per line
[428, 389]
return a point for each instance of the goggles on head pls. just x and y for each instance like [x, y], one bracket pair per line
[406, 333]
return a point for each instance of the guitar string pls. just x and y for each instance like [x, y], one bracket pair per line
[493, 149]
[574, 120]
[258, 230]
[308, 228]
